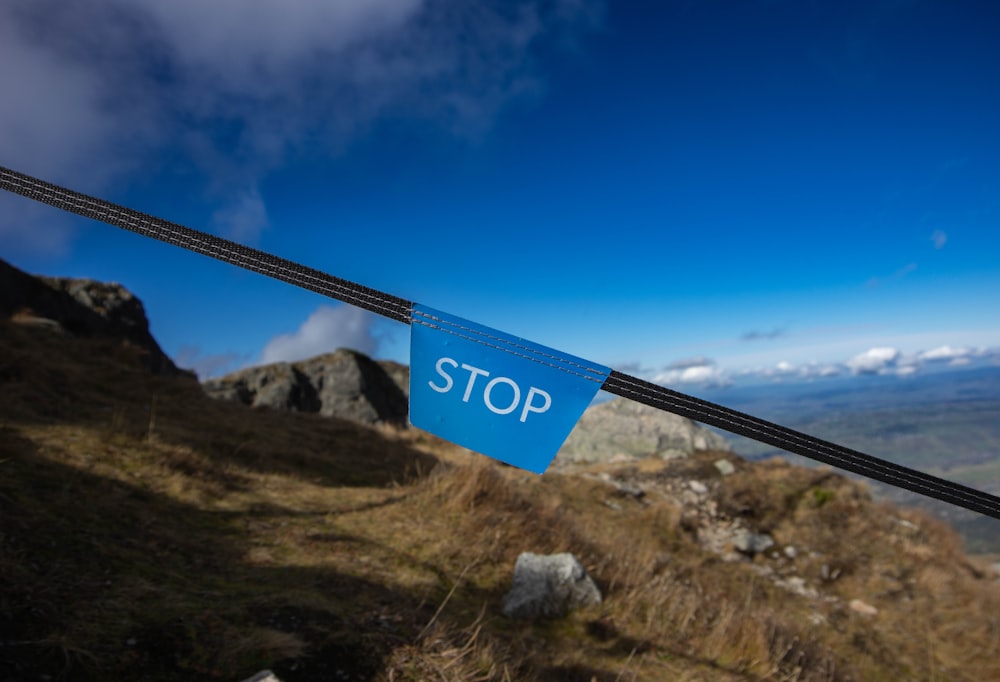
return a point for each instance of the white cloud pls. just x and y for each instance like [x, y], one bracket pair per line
[874, 361]
[945, 354]
[244, 219]
[95, 87]
[874, 282]
[784, 370]
[326, 329]
[699, 370]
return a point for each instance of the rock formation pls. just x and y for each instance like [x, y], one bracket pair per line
[623, 429]
[345, 384]
[549, 587]
[84, 308]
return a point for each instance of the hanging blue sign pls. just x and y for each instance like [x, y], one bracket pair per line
[497, 394]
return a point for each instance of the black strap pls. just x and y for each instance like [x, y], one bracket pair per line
[399, 309]
[802, 444]
[200, 242]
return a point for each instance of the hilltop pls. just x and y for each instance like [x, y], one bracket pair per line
[150, 532]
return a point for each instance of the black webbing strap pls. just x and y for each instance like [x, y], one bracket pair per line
[802, 444]
[209, 245]
[399, 309]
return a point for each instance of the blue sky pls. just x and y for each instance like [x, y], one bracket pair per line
[699, 192]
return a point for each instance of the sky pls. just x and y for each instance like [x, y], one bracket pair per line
[698, 192]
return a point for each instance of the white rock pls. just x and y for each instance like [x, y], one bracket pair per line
[698, 487]
[263, 676]
[863, 608]
[752, 543]
[725, 467]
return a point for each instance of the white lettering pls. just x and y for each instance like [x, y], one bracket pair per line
[489, 390]
[528, 407]
[440, 370]
[473, 373]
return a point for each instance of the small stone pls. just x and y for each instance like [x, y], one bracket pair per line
[752, 543]
[549, 587]
[698, 487]
[725, 467]
[263, 676]
[863, 608]
[790, 552]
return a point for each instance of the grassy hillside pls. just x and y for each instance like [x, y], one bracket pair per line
[147, 532]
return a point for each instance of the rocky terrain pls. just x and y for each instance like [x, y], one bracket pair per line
[150, 532]
[345, 384]
[622, 430]
[84, 308]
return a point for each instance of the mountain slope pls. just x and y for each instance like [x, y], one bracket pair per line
[149, 532]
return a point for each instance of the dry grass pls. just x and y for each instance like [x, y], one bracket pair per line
[147, 532]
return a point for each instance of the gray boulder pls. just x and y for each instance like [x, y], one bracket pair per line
[752, 543]
[624, 427]
[345, 384]
[549, 586]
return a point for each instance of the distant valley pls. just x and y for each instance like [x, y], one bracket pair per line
[946, 423]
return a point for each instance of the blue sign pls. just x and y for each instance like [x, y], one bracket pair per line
[494, 393]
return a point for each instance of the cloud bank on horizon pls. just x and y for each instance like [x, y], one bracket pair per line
[703, 372]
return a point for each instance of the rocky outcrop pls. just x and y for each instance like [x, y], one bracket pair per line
[622, 429]
[84, 308]
[345, 384]
[549, 586]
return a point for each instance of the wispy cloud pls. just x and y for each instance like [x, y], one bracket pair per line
[939, 238]
[703, 372]
[785, 371]
[757, 335]
[95, 87]
[688, 363]
[882, 360]
[700, 371]
[243, 219]
[898, 275]
[325, 330]
[208, 365]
